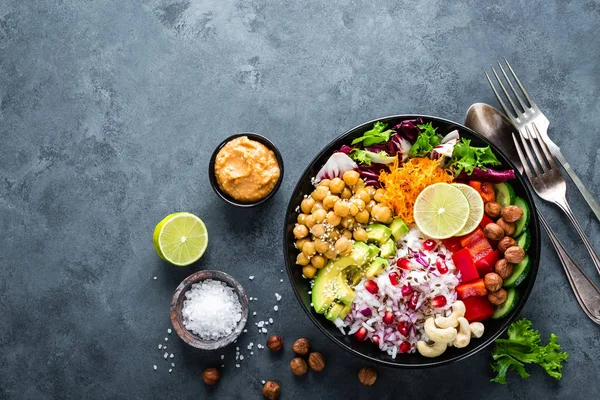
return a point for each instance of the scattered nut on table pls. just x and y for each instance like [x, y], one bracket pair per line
[211, 376]
[505, 243]
[503, 268]
[493, 209]
[301, 346]
[271, 390]
[511, 213]
[298, 366]
[492, 281]
[514, 254]
[498, 297]
[493, 231]
[316, 361]
[275, 343]
[367, 376]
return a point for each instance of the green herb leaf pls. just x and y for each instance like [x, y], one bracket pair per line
[466, 157]
[426, 141]
[375, 135]
[360, 156]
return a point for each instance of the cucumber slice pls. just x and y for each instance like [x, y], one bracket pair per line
[512, 298]
[505, 194]
[524, 241]
[519, 274]
[522, 223]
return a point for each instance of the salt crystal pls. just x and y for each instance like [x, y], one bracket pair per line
[277, 296]
[245, 330]
[271, 320]
[237, 365]
[251, 277]
[254, 313]
[170, 370]
[251, 353]
[237, 348]
[256, 298]
[277, 308]
[260, 324]
[154, 278]
[166, 339]
[266, 324]
[241, 358]
[164, 347]
[250, 298]
[250, 345]
[172, 364]
[263, 382]
[160, 346]
[222, 365]
[281, 280]
[171, 356]
[169, 330]
[222, 356]
[264, 330]
[166, 355]
[155, 367]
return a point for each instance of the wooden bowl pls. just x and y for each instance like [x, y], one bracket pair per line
[177, 304]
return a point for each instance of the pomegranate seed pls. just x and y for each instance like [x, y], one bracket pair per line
[412, 302]
[407, 290]
[438, 301]
[441, 266]
[429, 245]
[405, 347]
[375, 339]
[404, 263]
[361, 334]
[394, 278]
[388, 317]
[403, 328]
[371, 286]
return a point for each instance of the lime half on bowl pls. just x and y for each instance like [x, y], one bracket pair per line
[180, 238]
[441, 211]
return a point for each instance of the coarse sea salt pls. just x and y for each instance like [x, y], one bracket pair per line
[211, 310]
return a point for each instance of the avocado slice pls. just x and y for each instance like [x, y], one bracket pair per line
[343, 291]
[376, 267]
[324, 291]
[388, 249]
[378, 233]
[399, 228]
[373, 251]
[334, 311]
[345, 311]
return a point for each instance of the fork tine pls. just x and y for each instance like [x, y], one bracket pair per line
[522, 158]
[499, 98]
[512, 103]
[546, 150]
[530, 156]
[531, 103]
[519, 98]
[540, 157]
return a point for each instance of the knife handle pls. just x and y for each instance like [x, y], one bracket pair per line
[584, 191]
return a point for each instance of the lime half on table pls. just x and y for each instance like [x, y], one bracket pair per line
[475, 208]
[180, 238]
[441, 211]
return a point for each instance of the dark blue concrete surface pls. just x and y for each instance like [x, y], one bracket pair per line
[109, 111]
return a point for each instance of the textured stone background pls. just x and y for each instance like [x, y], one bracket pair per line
[109, 111]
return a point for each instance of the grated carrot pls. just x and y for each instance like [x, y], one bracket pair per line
[404, 183]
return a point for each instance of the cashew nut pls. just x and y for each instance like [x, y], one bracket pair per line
[476, 329]
[458, 310]
[440, 335]
[464, 334]
[431, 351]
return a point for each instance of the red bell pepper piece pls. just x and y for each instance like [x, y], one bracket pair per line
[487, 263]
[452, 244]
[478, 308]
[470, 289]
[485, 189]
[463, 261]
[485, 220]
[477, 244]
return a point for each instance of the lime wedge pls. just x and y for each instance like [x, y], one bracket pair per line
[475, 208]
[180, 238]
[441, 211]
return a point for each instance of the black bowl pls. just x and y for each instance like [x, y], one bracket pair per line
[213, 178]
[367, 350]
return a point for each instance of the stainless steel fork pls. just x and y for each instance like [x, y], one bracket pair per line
[547, 180]
[528, 115]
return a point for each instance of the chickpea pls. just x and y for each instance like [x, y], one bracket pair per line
[359, 184]
[358, 203]
[348, 222]
[318, 206]
[301, 259]
[330, 254]
[307, 204]
[341, 208]
[369, 206]
[382, 213]
[363, 194]
[300, 231]
[347, 234]
[320, 193]
[318, 230]
[334, 234]
[379, 195]
[348, 249]
[309, 271]
[337, 185]
[362, 217]
[371, 190]
[329, 201]
[351, 177]
[353, 209]
[319, 215]
[309, 249]
[341, 244]
[300, 243]
[318, 261]
[310, 221]
[360, 234]
[321, 246]
[346, 193]
[325, 182]
[302, 218]
[333, 219]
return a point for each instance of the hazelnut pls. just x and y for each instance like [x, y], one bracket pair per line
[367, 376]
[511, 213]
[498, 297]
[493, 209]
[298, 366]
[275, 343]
[514, 254]
[503, 268]
[493, 281]
[316, 362]
[505, 243]
[301, 346]
[509, 227]
[493, 231]
[271, 390]
[210, 376]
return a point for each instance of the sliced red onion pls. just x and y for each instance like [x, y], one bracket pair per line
[366, 312]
